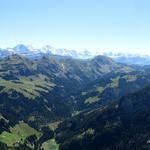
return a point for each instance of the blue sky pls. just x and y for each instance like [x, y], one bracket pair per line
[107, 25]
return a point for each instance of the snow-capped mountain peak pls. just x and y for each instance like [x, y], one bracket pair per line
[32, 53]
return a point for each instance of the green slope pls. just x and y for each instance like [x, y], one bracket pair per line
[18, 135]
[110, 88]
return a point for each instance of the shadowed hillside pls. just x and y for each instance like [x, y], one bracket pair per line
[121, 126]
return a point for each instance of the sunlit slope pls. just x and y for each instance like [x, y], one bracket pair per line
[110, 88]
[19, 137]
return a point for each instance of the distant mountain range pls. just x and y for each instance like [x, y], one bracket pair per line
[33, 53]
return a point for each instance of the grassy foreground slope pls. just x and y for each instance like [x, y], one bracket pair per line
[19, 135]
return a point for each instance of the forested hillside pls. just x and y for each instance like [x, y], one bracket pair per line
[121, 126]
[37, 95]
